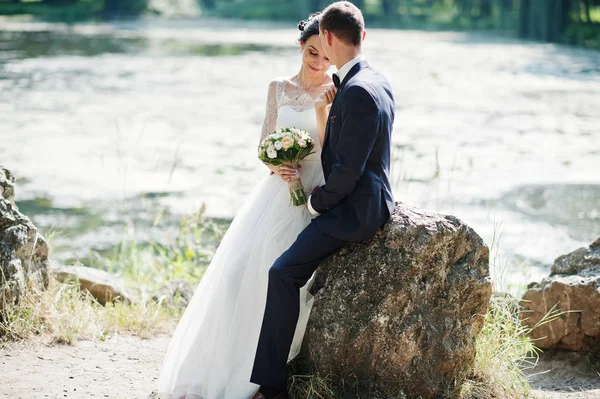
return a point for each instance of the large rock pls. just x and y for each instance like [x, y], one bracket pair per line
[574, 287]
[23, 251]
[7, 184]
[400, 312]
[103, 286]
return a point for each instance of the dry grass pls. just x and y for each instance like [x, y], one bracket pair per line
[63, 314]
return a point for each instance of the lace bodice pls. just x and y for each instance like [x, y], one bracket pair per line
[278, 98]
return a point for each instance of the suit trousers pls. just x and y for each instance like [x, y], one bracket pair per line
[288, 274]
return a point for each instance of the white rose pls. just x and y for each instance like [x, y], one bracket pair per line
[302, 143]
[271, 153]
[287, 142]
[278, 145]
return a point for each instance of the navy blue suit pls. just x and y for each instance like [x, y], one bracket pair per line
[355, 201]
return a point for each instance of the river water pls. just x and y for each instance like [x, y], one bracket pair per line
[104, 124]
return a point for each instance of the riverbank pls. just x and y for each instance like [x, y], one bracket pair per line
[60, 314]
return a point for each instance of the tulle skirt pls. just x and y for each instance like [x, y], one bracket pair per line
[212, 350]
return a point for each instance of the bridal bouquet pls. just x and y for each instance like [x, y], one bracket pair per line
[288, 146]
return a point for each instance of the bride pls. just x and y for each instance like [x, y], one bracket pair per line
[212, 351]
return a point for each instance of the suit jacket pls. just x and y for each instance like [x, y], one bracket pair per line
[356, 199]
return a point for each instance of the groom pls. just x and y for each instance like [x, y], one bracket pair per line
[352, 205]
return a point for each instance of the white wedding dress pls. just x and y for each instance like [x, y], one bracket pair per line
[212, 351]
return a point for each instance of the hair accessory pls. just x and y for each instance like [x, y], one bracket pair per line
[302, 24]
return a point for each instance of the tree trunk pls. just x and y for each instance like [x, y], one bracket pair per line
[485, 9]
[543, 21]
[559, 18]
[523, 30]
[112, 7]
[465, 8]
[505, 12]
[390, 7]
[587, 6]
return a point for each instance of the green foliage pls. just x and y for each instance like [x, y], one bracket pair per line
[574, 22]
[185, 256]
[69, 13]
[72, 11]
[503, 352]
[124, 7]
[587, 35]
[259, 9]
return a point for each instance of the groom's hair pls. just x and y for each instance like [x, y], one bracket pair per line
[345, 21]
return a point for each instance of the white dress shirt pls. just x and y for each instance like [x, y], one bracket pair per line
[341, 73]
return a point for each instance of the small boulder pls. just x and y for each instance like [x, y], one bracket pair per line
[400, 312]
[574, 288]
[102, 285]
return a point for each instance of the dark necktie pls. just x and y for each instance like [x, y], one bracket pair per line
[336, 80]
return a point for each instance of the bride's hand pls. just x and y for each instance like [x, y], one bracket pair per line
[325, 98]
[286, 172]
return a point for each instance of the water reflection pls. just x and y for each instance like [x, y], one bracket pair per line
[575, 206]
[33, 44]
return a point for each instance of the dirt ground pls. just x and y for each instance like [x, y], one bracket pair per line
[128, 367]
[564, 375]
[120, 367]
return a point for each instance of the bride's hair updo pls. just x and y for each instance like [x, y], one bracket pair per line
[309, 26]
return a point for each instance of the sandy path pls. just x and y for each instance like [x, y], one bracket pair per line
[127, 367]
[564, 375]
[122, 367]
